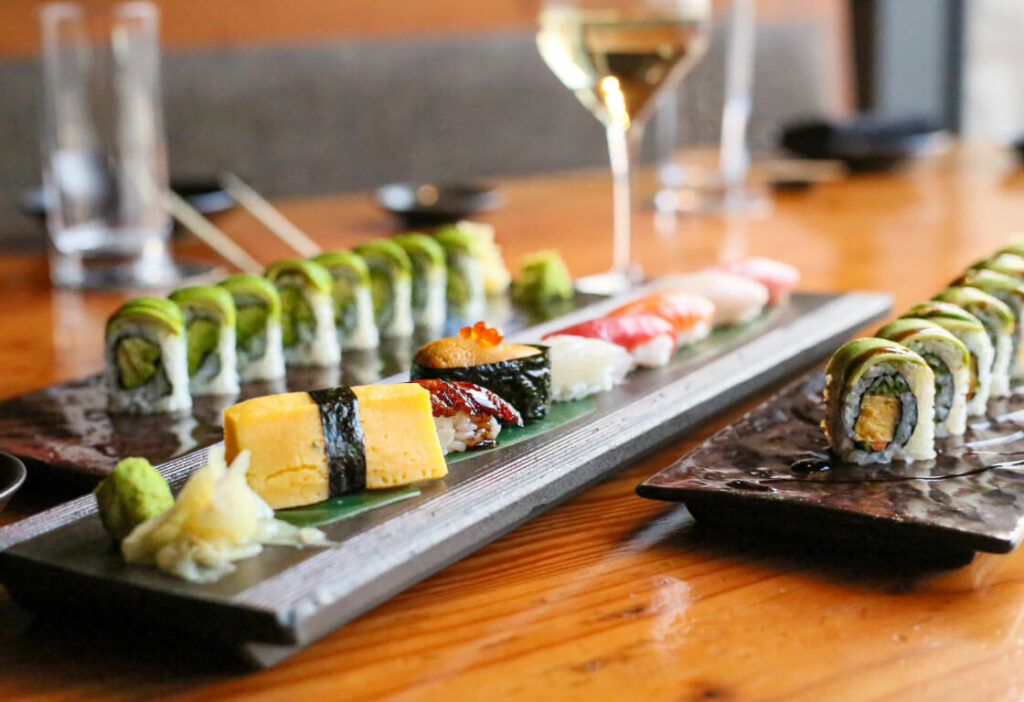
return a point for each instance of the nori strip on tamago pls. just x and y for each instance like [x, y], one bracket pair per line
[525, 382]
[343, 433]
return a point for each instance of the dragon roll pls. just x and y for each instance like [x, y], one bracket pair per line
[879, 403]
[258, 345]
[999, 324]
[353, 300]
[209, 312]
[969, 330]
[1007, 263]
[307, 312]
[466, 294]
[391, 286]
[147, 358]
[429, 279]
[1011, 291]
[949, 360]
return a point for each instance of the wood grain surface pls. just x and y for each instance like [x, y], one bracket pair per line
[607, 596]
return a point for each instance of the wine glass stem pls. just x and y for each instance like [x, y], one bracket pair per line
[623, 147]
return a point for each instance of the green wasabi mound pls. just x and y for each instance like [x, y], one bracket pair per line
[130, 495]
[543, 278]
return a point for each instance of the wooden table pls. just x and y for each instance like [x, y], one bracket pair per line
[607, 596]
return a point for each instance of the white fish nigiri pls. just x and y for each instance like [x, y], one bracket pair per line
[581, 367]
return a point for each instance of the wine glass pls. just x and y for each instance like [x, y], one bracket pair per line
[617, 56]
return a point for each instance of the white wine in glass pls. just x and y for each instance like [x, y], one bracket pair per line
[617, 56]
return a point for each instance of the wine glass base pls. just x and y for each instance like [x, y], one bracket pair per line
[611, 282]
[714, 199]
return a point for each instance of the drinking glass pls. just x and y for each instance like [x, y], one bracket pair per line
[103, 146]
[617, 56]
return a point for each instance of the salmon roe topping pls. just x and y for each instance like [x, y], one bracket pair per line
[482, 334]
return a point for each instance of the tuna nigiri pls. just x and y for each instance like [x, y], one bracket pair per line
[736, 299]
[650, 340]
[691, 315]
[778, 277]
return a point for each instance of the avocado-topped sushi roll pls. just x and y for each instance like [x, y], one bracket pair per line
[1011, 291]
[309, 446]
[258, 332]
[999, 325]
[465, 288]
[968, 329]
[1010, 264]
[147, 358]
[467, 416]
[353, 301]
[307, 313]
[496, 275]
[518, 373]
[209, 312]
[949, 360]
[391, 286]
[429, 279]
[879, 400]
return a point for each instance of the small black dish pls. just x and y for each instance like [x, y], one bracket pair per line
[426, 204]
[867, 143]
[12, 476]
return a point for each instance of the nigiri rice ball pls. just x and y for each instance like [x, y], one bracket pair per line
[581, 367]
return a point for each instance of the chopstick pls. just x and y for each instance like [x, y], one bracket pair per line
[269, 216]
[213, 237]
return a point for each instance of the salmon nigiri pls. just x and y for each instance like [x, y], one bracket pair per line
[650, 340]
[689, 314]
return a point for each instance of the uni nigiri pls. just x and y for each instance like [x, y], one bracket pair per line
[649, 339]
[778, 277]
[691, 315]
[736, 299]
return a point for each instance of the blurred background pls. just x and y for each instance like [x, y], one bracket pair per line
[313, 96]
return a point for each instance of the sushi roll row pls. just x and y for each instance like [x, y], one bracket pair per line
[300, 313]
[966, 342]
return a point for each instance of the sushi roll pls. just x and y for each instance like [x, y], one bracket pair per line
[1010, 291]
[307, 313]
[649, 339]
[736, 299]
[391, 287]
[465, 288]
[258, 345]
[519, 373]
[429, 279]
[353, 301]
[147, 358]
[1010, 264]
[209, 312]
[307, 447]
[496, 275]
[879, 403]
[467, 416]
[968, 329]
[582, 367]
[777, 277]
[949, 360]
[689, 314]
[999, 325]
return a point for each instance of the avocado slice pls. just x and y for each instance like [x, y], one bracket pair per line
[137, 361]
[203, 335]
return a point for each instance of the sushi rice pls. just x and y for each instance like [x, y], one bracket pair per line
[581, 367]
[461, 432]
[167, 391]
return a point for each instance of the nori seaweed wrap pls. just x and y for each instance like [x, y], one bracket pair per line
[519, 374]
[353, 301]
[210, 320]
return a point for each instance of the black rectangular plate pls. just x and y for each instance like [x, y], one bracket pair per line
[772, 469]
[284, 598]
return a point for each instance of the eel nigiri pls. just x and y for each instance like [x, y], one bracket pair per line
[466, 415]
[778, 277]
[690, 314]
[736, 299]
[649, 339]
